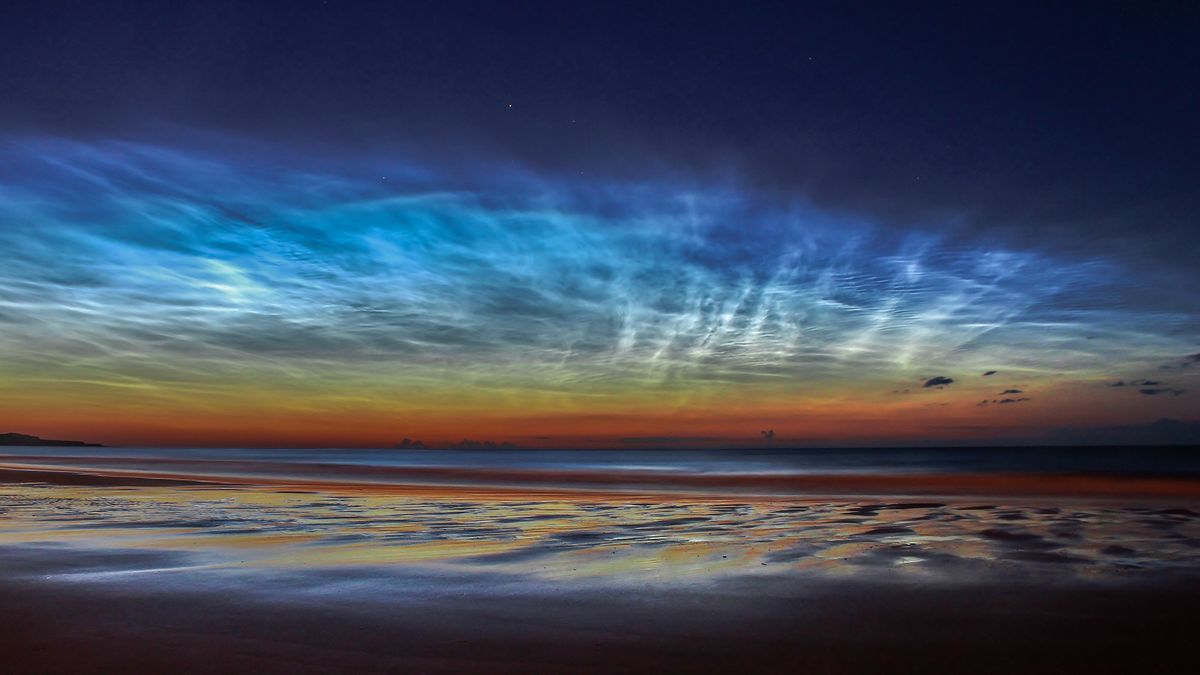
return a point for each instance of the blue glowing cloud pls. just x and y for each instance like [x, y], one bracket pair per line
[140, 267]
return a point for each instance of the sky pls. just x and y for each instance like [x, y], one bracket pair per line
[597, 225]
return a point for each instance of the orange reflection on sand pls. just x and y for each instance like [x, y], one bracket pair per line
[659, 538]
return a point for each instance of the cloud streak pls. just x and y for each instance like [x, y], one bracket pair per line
[147, 271]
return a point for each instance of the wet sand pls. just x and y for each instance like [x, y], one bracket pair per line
[845, 627]
[137, 573]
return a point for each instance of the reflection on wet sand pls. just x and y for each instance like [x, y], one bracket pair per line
[126, 566]
[565, 537]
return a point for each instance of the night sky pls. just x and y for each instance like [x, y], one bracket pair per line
[598, 224]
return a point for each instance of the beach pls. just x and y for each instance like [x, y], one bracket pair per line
[590, 338]
[847, 627]
[159, 562]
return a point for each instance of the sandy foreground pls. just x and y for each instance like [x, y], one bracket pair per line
[841, 627]
[120, 574]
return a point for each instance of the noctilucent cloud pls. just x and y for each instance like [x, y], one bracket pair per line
[225, 295]
[612, 224]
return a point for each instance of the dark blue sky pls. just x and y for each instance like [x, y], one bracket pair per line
[584, 218]
[1012, 113]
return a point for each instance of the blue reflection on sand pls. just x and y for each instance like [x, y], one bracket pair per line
[111, 532]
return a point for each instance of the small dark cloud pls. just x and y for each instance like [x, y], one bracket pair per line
[1163, 391]
[1011, 400]
[1136, 383]
[989, 373]
[1011, 391]
[938, 381]
[982, 404]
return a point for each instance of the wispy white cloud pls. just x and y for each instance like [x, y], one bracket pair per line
[139, 266]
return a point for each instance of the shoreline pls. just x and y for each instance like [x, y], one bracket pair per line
[119, 570]
[351, 478]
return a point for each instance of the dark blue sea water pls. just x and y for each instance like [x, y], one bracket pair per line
[1134, 461]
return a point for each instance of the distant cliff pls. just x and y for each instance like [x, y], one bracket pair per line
[26, 439]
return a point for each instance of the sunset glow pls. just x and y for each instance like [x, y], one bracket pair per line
[173, 296]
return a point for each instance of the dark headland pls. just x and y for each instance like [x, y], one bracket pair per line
[27, 440]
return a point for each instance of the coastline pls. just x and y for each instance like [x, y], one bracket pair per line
[327, 476]
[140, 565]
